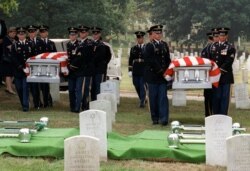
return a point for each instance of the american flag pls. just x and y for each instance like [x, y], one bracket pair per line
[60, 56]
[214, 73]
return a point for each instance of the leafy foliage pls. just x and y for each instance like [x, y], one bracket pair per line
[8, 6]
[60, 14]
[196, 17]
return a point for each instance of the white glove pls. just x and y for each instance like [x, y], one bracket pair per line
[130, 73]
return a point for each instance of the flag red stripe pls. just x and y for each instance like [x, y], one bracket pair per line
[200, 61]
[187, 61]
[214, 73]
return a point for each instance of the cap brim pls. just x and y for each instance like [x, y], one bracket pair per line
[21, 32]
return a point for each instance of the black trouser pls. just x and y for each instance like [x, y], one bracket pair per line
[47, 99]
[208, 97]
[35, 91]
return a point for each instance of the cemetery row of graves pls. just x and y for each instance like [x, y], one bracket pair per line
[94, 144]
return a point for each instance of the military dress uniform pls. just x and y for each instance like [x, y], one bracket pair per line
[223, 53]
[137, 67]
[205, 53]
[47, 46]
[20, 52]
[157, 60]
[85, 51]
[75, 77]
[102, 56]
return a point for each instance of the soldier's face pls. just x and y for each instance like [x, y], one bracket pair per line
[21, 36]
[44, 34]
[32, 33]
[157, 35]
[216, 39]
[84, 34]
[72, 37]
[223, 38]
[140, 40]
[96, 36]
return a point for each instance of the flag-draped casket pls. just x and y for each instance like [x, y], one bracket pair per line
[192, 72]
[46, 67]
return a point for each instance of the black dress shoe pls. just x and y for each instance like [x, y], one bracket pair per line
[155, 122]
[164, 123]
[25, 110]
[141, 106]
[74, 111]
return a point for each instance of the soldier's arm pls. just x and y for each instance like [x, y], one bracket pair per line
[53, 47]
[108, 54]
[14, 57]
[204, 52]
[130, 60]
[168, 59]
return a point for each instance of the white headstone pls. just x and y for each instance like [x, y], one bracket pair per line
[236, 66]
[218, 128]
[105, 106]
[238, 153]
[112, 70]
[248, 64]
[110, 87]
[81, 153]
[93, 123]
[179, 98]
[111, 97]
[242, 59]
[117, 83]
[242, 100]
[55, 91]
[244, 75]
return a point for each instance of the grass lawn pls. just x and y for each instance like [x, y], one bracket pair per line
[130, 120]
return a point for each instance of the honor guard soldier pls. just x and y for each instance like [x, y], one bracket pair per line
[136, 67]
[223, 53]
[102, 56]
[157, 60]
[75, 78]
[47, 46]
[88, 67]
[20, 52]
[37, 49]
[207, 92]
[215, 32]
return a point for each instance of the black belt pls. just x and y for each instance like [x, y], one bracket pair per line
[138, 60]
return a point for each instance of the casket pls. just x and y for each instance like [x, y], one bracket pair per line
[43, 70]
[192, 77]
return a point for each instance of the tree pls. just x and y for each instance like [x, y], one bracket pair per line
[60, 14]
[8, 6]
[196, 17]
